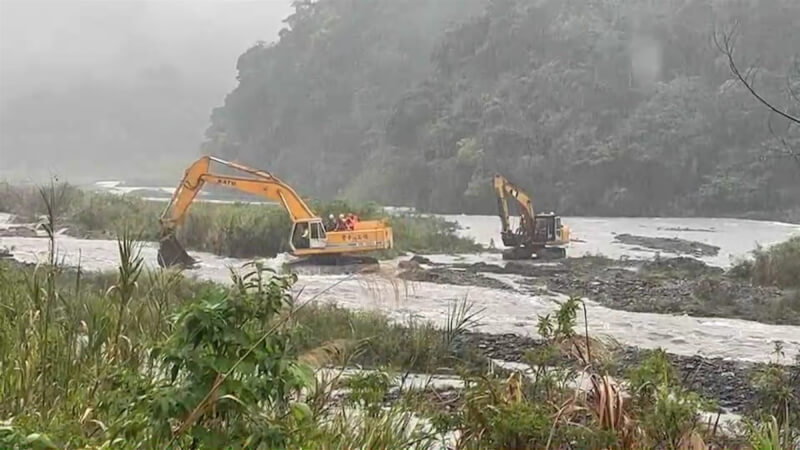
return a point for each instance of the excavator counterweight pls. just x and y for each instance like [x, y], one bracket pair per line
[308, 239]
[540, 235]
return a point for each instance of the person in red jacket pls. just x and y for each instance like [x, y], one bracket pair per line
[348, 223]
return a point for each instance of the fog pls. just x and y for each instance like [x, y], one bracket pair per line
[88, 84]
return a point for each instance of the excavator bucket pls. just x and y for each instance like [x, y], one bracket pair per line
[171, 253]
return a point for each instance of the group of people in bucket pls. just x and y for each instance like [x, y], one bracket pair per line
[342, 223]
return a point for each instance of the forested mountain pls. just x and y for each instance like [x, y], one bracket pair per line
[596, 106]
[104, 128]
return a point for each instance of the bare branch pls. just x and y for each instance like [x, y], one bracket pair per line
[789, 80]
[787, 149]
[726, 43]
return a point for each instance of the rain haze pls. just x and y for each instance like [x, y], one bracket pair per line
[87, 85]
[205, 205]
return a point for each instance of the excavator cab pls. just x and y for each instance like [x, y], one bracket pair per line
[308, 234]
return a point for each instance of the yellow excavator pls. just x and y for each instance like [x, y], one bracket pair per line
[540, 235]
[308, 240]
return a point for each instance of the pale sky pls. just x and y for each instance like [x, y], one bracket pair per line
[49, 43]
[87, 84]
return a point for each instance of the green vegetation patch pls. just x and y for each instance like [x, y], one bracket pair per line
[133, 359]
[778, 265]
[237, 230]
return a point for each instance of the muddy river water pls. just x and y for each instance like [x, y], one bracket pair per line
[514, 312]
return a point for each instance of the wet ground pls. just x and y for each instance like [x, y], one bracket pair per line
[672, 245]
[726, 381]
[679, 285]
[513, 309]
[736, 238]
[630, 300]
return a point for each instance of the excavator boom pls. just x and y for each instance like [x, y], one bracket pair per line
[505, 189]
[309, 237]
[542, 235]
[262, 184]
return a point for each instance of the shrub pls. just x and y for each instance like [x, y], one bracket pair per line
[778, 265]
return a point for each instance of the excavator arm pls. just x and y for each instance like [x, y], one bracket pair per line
[312, 240]
[258, 182]
[261, 183]
[505, 189]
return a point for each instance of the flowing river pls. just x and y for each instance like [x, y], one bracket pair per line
[514, 312]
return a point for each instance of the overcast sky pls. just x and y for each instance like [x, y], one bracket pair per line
[50, 43]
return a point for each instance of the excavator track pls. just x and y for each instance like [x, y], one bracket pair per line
[334, 264]
[172, 254]
[551, 253]
[543, 254]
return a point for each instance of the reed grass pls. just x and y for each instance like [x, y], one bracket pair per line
[154, 360]
[237, 230]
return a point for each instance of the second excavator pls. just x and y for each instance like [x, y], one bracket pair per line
[542, 235]
[308, 239]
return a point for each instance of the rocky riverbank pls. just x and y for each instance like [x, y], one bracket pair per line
[665, 286]
[724, 381]
[670, 245]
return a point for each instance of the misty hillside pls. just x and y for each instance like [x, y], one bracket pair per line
[596, 106]
[122, 89]
[105, 128]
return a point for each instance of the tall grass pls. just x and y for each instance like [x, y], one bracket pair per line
[778, 265]
[153, 360]
[237, 230]
[197, 364]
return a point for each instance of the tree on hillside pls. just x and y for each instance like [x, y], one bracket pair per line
[594, 106]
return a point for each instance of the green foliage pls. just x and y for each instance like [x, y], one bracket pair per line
[231, 348]
[237, 230]
[390, 428]
[778, 265]
[777, 404]
[673, 415]
[378, 342]
[220, 365]
[210, 366]
[617, 107]
[426, 234]
[668, 413]
[654, 371]
[322, 94]
[766, 435]
[562, 326]
[368, 390]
